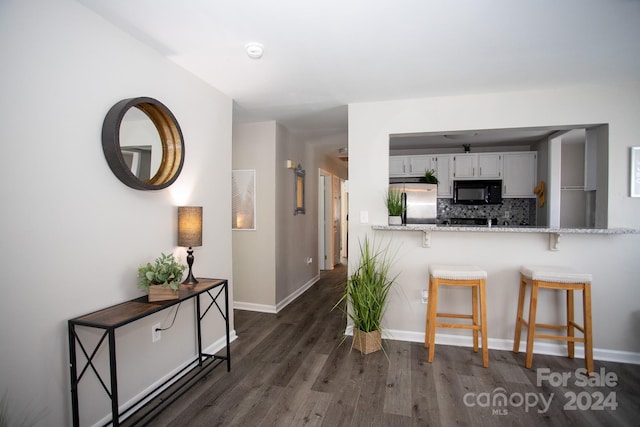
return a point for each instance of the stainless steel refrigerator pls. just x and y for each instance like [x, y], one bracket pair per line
[421, 202]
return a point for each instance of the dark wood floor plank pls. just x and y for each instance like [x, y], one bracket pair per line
[448, 390]
[397, 397]
[424, 398]
[313, 410]
[293, 396]
[337, 367]
[342, 406]
[370, 406]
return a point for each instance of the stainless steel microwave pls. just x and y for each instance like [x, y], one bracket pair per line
[477, 192]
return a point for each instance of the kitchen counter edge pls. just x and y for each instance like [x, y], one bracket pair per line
[505, 229]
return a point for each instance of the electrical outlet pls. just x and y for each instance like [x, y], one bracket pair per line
[156, 333]
[425, 296]
[309, 260]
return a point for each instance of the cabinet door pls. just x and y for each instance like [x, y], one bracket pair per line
[397, 166]
[442, 166]
[418, 165]
[464, 166]
[489, 165]
[520, 174]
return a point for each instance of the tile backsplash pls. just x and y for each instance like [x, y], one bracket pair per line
[520, 211]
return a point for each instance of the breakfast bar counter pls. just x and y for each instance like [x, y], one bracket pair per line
[554, 233]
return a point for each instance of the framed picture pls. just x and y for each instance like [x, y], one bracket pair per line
[635, 171]
[243, 205]
[298, 191]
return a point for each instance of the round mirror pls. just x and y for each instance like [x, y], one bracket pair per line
[143, 143]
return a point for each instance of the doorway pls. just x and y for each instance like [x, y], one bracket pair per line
[331, 220]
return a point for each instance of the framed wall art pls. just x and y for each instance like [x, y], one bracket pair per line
[243, 205]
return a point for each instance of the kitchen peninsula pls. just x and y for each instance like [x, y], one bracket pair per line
[554, 233]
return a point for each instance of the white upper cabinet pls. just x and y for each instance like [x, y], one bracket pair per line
[490, 166]
[477, 166]
[442, 166]
[520, 174]
[397, 165]
[465, 166]
[418, 165]
[409, 165]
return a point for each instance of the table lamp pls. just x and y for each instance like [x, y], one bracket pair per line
[190, 234]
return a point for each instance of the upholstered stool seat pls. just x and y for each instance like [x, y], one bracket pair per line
[557, 278]
[458, 275]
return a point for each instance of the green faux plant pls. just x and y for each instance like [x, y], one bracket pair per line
[393, 201]
[367, 288]
[165, 271]
[430, 176]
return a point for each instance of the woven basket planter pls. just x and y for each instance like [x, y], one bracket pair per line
[367, 342]
[162, 293]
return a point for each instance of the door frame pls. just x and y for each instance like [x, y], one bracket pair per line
[325, 223]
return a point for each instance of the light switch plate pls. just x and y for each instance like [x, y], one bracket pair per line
[364, 217]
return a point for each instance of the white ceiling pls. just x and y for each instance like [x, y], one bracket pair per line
[320, 56]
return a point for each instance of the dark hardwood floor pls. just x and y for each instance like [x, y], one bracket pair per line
[289, 369]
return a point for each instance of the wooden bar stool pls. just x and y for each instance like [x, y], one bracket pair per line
[457, 275]
[563, 279]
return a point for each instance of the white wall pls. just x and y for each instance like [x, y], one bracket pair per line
[611, 259]
[72, 235]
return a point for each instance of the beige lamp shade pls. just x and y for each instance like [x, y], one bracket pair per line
[189, 226]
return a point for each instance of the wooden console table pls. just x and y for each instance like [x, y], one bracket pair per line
[111, 318]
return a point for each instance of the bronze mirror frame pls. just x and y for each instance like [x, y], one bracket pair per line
[170, 138]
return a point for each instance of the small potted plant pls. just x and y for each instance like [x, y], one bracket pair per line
[430, 176]
[395, 206]
[161, 280]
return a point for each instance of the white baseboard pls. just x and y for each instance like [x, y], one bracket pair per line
[249, 306]
[212, 349]
[263, 308]
[548, 348]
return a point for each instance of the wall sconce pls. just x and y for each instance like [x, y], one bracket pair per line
[190, 234]
[291, 164]
[298, 191]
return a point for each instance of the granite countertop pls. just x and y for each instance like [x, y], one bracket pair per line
[505, 229]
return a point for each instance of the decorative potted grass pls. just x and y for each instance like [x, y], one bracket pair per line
[365, 295]
[161, 280]
[395, 207]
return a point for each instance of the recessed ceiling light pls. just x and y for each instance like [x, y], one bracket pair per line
[254, 50]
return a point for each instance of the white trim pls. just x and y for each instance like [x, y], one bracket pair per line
[212, 349]
[263, 308]
[249, 306]
[503, 344]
